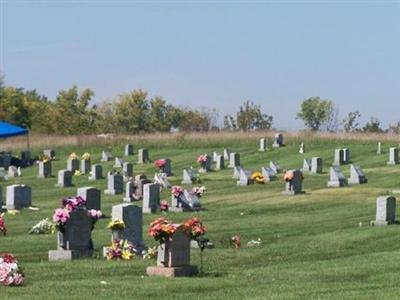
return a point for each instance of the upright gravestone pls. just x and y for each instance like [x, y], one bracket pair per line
[268, 174]
[96, 173]
[18, 196]
[219, 162]
[278, 141]
[188, 176]
[115, 184]
[140, 181]
[185, 202]
[263, 145]
[133, 219]
[151, 198]
[357, 175]
[338, 158]
[244, 178]
[227, 154]
[106, 156]
[72, 165]
[129, 190]
[143, 156]
[234, 160]
[302, 148]
[346, 156]
[173, 257]
[128, 150]
[275, 166]
[379, 150]
[92, 197]
[127, 169]
[168, 167]
[294, 186]
[76, 240]
[118, 162]
[206, 166]
[44, 169]
[13, 171]
[385, 211]
[49, 153]
[162, 180]
[306, 165]
[393, 156]
[85, 166]
[215, 154]
[337, 178]
[316, 165]
[236, 172]
[64, 178]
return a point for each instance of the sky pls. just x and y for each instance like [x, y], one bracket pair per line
[211, 53]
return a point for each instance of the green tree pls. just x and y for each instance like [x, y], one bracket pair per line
[350, 122]
[315, 112]
[250, 117]
[373, 126]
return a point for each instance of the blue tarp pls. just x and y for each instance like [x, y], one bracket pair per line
[7, 130]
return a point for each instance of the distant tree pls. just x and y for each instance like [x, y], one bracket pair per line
[250, 117]
[193, 120]
[394, 128]
[229, 123]
[315, 112]
[350, 122]
[373, 126]
[332, 122]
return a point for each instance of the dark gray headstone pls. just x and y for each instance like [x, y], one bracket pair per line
[97, 172]
[18, 196]
[44, 169]
[64, 178]
[115, 184]
[151, 198]
[92, 196]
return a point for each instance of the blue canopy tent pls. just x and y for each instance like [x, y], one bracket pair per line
[9, 130]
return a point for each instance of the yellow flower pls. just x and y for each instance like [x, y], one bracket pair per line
[77, 173]
[86, 156]
[73, 156]
[258, 177]
[126, 255]
[116, 224]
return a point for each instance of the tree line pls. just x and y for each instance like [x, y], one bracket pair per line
[71, 112]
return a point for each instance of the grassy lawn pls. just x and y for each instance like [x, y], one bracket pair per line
[314, 246]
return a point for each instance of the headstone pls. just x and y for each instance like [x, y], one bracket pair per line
[115, 184]
[268, 174]
[97, 172]
[385, 210]
[143, 156]
[72, 165]
[106, 156]
[236, 172]
[185, 202]
[49, 152]
[220, 162]
[278, 140]
[26, 155]
[140, 181]
[92, 197]
[85, 166]
[64, 178]
[306, 165]
[316, 165]
[379, 151]
[263, 145]
[393, 156]
[127, 169]
[234, 160]
[357, 175]
[168, 167]
[244, 177]
[5, 160]
[129, 190]
[275, 166]
[339, 157]
[337, 178]
[215, 154]
[302, 148]
[227, 154]
[162, 180]
[13, 171]
[133, 219]
[346, 156]
[188, 176]
[207, 166]
[118, 162]
[295, 185]
[76, 240]
[44, 169]
[18, 196]
[151, 198]
[128, 150]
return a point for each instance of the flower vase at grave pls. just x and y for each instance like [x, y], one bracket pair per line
[61, 241]
[163, 255]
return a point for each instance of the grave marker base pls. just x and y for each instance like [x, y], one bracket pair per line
[185, 271]
[65, 255]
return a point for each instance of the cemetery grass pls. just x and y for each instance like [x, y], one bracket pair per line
[313, 246]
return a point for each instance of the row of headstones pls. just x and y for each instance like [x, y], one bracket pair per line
[278, 142]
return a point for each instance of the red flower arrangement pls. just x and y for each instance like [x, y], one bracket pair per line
[202, 159]
[164, 205]
[176, 191]
[3, 228]
[160, 163]
[236, 241]
[194, 227]
[161, 229]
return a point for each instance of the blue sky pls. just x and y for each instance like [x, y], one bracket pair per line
[211, 53]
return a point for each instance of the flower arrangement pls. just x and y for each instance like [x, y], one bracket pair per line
[161, 229]
[257, 177]
[235, 240]
[194, 227]
[45, 226]
[86, 156]
[176, 191]
[73, 156]
[202, 159]
[289, 175]
[121, 249]
[199, 191]
[254, 243]
[44, 158]
[160, 163]
[78, 173]
[70, 204]
[116, 224]
[3, 228]
[10, 273]
[150, 253]
[164, 205]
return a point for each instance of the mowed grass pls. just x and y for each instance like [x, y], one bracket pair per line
[314, 246]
